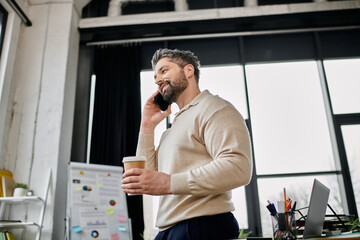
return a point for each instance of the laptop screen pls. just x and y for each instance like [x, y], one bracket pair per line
[317, 210]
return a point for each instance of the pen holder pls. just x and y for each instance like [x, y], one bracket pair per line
[284, 226]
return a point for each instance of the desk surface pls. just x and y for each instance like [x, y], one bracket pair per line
[347, 236]
[335, 237]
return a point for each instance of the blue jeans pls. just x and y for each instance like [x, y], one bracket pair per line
[215, 227]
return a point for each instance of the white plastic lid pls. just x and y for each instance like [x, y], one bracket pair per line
[134, 159]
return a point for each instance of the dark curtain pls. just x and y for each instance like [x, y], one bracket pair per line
[117, 114]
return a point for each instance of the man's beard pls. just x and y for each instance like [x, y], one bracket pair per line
[175, 88]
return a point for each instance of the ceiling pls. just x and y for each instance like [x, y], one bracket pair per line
[262, 22]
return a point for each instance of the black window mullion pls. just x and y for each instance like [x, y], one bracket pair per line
[345, 181]
[345, 170]
[251, 190]
[297, 174]
[3, 20]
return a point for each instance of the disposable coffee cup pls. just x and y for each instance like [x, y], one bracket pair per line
[134, 162]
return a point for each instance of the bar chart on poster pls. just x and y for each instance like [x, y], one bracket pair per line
[96, 207]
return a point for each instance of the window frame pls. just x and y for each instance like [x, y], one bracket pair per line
[8, 55]
[243, 54]
[3, 27]
[340, 120]
[343, 175]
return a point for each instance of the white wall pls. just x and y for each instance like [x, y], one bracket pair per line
[40, 96]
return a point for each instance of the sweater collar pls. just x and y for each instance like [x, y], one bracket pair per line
[194, 102]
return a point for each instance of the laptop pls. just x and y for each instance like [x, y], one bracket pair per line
[317, 210]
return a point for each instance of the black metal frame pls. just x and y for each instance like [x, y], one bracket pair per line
[339, 120]
[20, 12]
[251, 49]
[3, 26]
[251, 190]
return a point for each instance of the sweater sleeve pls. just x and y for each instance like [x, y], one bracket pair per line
[227, 141]
[146, 148]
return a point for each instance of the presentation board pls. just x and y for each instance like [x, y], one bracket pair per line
[97, 206]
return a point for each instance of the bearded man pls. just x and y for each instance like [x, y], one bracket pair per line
[203, 156]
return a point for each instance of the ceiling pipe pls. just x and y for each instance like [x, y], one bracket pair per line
[181, 5]
[20, 12]
[114, 8]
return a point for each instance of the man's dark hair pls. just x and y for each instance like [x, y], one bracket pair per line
[180, 57]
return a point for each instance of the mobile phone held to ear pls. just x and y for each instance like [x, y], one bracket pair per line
[162, 104]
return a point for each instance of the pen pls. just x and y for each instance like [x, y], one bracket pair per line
[294, 206]
[288, 207]
[271, 208]
[285, 198]
[287, 223]
[273, 205]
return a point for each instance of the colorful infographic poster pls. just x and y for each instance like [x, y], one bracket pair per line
[97, 205]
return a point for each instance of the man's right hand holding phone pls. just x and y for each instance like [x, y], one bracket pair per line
[152, 115]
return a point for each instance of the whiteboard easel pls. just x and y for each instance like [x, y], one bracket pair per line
[97, 207]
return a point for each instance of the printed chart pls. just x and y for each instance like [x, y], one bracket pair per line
[97, 207]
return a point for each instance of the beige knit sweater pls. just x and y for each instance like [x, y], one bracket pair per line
[207, 153]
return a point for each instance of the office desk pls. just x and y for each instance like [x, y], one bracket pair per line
[347, 236]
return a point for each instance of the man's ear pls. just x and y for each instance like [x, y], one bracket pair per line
[189, 70]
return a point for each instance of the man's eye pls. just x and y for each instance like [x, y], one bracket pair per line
[164, 71]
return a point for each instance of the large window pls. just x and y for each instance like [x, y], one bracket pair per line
[301, 109]
[290, 129]
[288, 118]
[351, 135]
[290, 132]
[344, 86]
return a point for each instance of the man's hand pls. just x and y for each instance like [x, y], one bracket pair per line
[143, 181]
[152, 115]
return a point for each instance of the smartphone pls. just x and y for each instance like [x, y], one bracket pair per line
[162, 104]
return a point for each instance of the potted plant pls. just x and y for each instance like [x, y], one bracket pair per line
[243, 235]
[20, 190]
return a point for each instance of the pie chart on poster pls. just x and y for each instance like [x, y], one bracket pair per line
[94, 234]
[112, 202]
